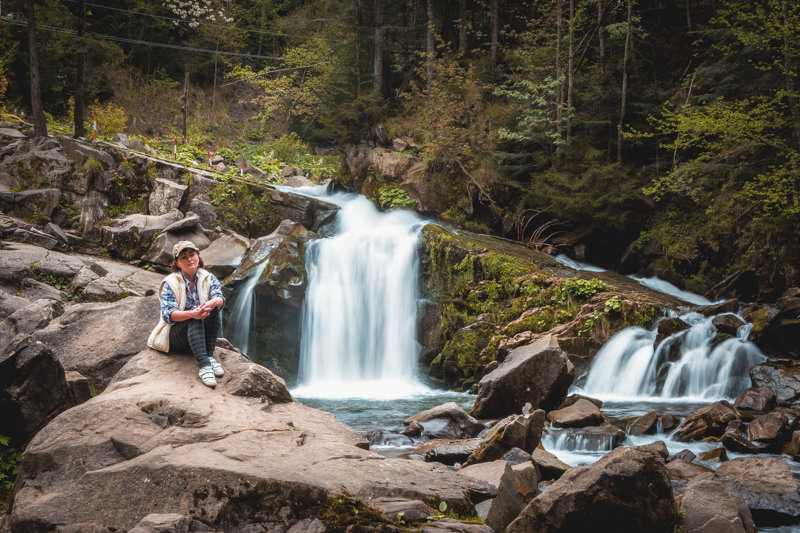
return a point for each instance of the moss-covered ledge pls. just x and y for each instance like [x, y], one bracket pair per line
[486, 296]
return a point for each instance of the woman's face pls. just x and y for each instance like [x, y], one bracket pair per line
[188, 261]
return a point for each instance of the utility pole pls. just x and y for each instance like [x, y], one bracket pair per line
[185, 102]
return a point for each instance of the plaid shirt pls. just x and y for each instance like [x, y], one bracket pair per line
[169, 302]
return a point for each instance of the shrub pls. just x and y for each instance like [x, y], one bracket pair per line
[110, 119]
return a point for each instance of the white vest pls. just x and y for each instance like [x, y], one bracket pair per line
[176, 283]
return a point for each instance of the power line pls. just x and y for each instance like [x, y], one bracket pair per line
[144, 43]
[229, 28]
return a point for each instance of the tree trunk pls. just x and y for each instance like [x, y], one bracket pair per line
[37, 112]
[262, 22]
[377, 64]
[560, 93]
[789, 75]
[357, 51]
[429, 48]
[625, 58]
[602, 60]
[570, 58]
[214, 88]
[688, 16]
[79, 109]
[462, 27]
[493, 30]
[185, 102]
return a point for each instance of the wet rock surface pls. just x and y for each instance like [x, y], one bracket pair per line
[627, 490]
[539, 373]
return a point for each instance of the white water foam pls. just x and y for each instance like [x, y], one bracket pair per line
[668, 288]
[359, 315]
[685, 367]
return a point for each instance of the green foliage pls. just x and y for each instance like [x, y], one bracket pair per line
[110, 119]
[613, 305]
[395, 198]
[584, 288]
[9, 465]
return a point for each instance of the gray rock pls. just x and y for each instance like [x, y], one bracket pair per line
[28, 320]
[225, 254]
[10, 302]
[160, 252]
[205, 211]
[627, 490]
[395, 509]
[163, 523]
[11, 133]
[783, 380]
[766, 484]
[79, 388]
[130, 236]
[550, 467]
[446, 421]
[756, 399]
[97, 339]
[166, 196]
[32, 390]
[644, 424]
[581, 413]
[513, 490]
[32, 201]
[516, 431]
[36, 290]
[447, 451]
[56, 232]
[709, 508]
[539, 373]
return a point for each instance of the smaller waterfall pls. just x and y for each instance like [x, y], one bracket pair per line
[237, 327]
[684, 366]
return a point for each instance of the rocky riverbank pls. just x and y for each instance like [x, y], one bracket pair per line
[120, 438]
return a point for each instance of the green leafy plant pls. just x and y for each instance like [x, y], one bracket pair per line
[395, 198]
[9, 464]
[584, 288]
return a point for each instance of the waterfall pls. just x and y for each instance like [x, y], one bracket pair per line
[242, 316]
[685, 366]
[359, 314]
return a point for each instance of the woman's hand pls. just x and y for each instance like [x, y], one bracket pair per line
[212, 304]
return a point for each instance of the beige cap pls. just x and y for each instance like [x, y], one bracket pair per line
[181, 246]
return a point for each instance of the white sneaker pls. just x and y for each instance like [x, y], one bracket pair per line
[216, 367]
[207, 376]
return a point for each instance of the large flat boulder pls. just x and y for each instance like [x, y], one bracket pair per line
[97, 339]
[539, 373]
[767, 486]
[709, 508]
[627, 490]
[157, 441]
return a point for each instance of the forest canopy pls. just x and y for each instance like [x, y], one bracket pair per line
[664, 134]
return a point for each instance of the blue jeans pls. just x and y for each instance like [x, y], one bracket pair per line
[196, 336]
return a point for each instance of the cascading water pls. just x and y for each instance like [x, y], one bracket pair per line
[242, 316]
[684, 366]
[359, 315]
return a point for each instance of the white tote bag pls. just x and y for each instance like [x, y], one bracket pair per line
[159, 338]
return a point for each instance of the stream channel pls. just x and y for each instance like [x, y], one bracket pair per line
[360, 362]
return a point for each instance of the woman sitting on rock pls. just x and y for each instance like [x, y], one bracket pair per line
[194, 311]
